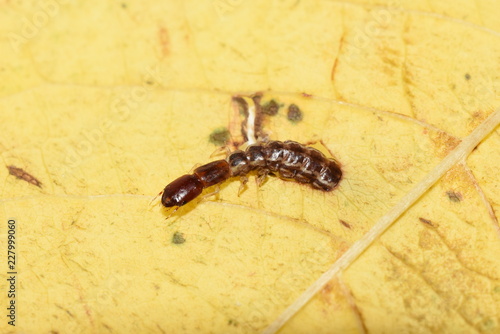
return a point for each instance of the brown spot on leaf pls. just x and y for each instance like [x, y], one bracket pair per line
[454, 196]
[242, 105]
[444, 143]
[343, 222]
[426, 221]
[329, 292]
[257, 97]
[23, 175]
[294, 113]
[335, 63]
[164, 39]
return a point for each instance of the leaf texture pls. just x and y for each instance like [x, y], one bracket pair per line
[105, 103]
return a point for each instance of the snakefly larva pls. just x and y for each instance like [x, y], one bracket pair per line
[289, 160]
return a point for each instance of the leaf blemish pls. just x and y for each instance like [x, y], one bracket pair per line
[294, 113]
[426, 221]
[271, 108]
[219, 137]
[23, 175]
[343, 222]
[454, 196]
[178, 238]
[242, 104]
[164, 41]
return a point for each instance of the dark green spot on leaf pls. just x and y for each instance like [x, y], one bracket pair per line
[271, 108]
[219, 137]
[178, 238]
[294, 113]
[454, 196]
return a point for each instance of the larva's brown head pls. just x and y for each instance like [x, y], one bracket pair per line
[181, 191]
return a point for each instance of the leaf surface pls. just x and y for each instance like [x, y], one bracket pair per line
[105, 103]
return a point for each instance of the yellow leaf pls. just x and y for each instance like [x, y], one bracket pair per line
[105, 103]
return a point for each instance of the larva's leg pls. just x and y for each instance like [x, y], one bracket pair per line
[243, 180]
[194, 167]
[262, 176]
[220, 150]
[213, 193]
[172, 212]
[151, 203]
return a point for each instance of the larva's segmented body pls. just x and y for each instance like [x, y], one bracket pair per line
[289, 159]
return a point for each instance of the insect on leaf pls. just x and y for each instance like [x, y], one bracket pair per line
[106, 103]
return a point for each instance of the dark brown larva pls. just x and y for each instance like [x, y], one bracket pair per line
[289, 160]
